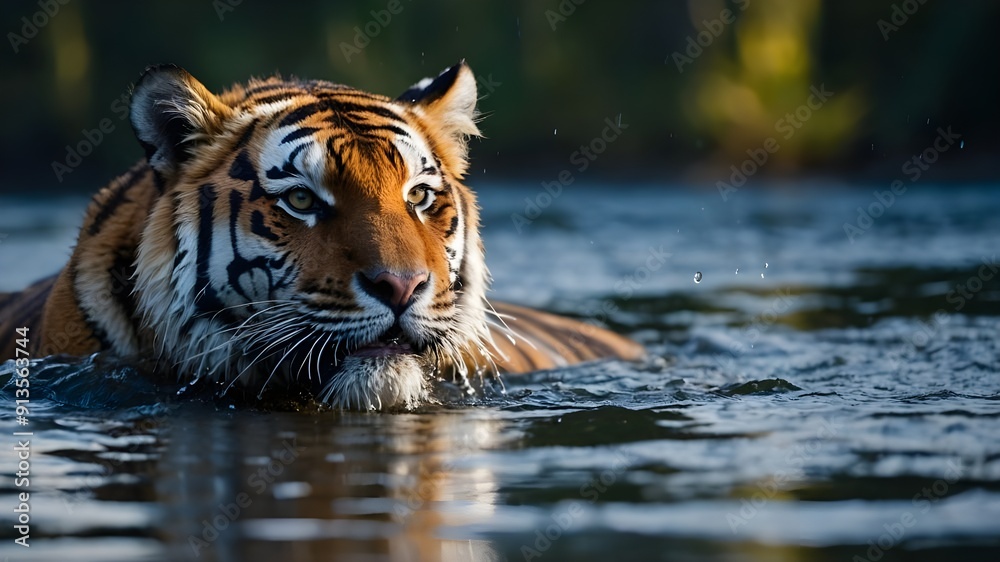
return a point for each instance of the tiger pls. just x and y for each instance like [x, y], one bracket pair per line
[297, 230]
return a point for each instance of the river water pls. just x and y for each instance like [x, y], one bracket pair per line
[820, 393]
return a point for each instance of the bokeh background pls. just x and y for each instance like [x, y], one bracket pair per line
[768, 320]
[695, 90]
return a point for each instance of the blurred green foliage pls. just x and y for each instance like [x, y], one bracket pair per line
[697, 83]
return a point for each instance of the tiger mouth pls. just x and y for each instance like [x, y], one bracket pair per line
[383, 348]
[392, 342]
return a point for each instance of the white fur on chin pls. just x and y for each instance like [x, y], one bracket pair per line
[377, 383]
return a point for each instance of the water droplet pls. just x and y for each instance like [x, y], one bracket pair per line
[697, 277]
[765, 265]
[737, 271]
[619, 119]
[554, 131]
[761, 275]
[928, 121]
[961, 144]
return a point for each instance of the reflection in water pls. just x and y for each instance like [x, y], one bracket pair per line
[352, 485]
[787, 418]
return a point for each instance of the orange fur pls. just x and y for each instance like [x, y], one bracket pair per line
[182, 257]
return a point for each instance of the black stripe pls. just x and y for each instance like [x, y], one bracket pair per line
[461, 203]
[301, 113]
[351, 107]
[331, 151]
[206, 299]
[453, 227]
[444, 305]
[239, 264]
[298, 134]
[275, 97]
[242, 168]
[179, 258]
[360, 128]
[340, 107]
[295, 152]
[122, 284]
[245, 138]
[258, 227]
[288, 170]
[115, 201]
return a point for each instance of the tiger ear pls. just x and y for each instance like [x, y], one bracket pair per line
[449, 103]
[171, 112]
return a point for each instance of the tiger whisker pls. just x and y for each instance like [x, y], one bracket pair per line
[279, 363]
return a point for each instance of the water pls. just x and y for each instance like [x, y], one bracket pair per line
[847, 404]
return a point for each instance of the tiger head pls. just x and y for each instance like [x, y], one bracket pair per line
[313, 231]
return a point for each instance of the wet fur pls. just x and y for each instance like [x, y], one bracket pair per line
[194, 259]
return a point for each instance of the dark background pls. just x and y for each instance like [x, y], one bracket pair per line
[552, 89]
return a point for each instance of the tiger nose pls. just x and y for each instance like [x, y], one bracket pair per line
[396, 291]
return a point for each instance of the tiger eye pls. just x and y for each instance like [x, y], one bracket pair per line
[417, 195]
[301, 199]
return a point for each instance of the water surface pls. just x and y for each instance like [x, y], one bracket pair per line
[811, 398]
